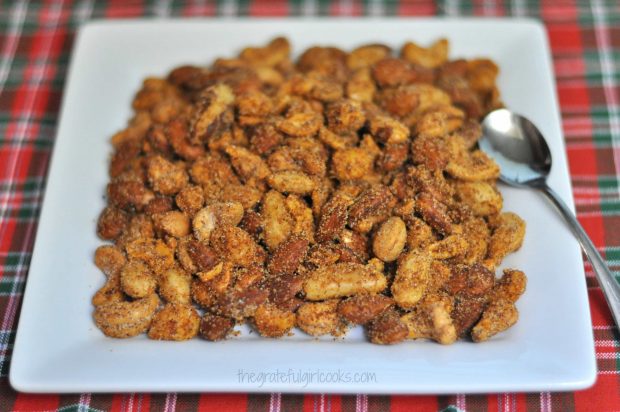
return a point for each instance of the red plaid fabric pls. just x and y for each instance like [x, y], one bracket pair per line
[36, 41]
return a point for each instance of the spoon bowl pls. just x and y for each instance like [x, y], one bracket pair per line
[517, 145]
[524, 158]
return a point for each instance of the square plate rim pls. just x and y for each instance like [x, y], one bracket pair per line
[585, 381]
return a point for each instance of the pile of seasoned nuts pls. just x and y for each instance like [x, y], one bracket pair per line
[344, 188]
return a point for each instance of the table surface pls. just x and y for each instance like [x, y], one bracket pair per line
[36, 40]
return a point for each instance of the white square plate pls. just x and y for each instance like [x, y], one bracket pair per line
[58, 348]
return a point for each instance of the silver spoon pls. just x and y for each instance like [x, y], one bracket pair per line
[524, 159]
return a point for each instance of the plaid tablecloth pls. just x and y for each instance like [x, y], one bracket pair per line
[36, 40]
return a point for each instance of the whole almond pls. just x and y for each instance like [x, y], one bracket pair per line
[288, 256]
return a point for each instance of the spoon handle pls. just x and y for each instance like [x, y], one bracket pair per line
[611, 288]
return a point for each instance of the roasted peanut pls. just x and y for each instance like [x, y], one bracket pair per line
[246, 195]
[393, 156]
[387, 329]
[237, 245]
[271, 55]
[473, 167]
[215, 327]
[175, 322]
[166, 177]
[476, 232]
[444, 331]
[157, 255]
[277, 221]
[303, 220]
[419, 234]
[496, 318]
[345, 116]
[247, 164]
[482, 198]
[432, 320]
[352, 163]
[389, 130]
[210, 115]
[137, 280]
[448, 247]
[361, 86]
[390, 239]
[273, 322]
[212, 171]
[300, 124]
[110, 292]
[412, 279]
[112, 222]
[342, 279]
[216, 214]
[126, 319]
[264, 138]
[173, 223]
[319, 318]
[437, 123]
[466, 313]
[129, 195]
[391, 72]
[174, 286]
[508, 234]
[366, 56]
[509, 287]
[291, 181]
[159, 205]
[418, 324]
[109, 259]
[178, 135]
[431, 57]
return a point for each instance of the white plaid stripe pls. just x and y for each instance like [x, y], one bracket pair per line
[84, 405]
[18, 15]
[451, 7]
[545, 402]
[162, 8]
[275, 402]
[375, 8]
[229, 8]
[461, 402]
[363, 403]
[601, 30]
[518, 9]
[84, 10]
[171, 402]
[309, 8]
